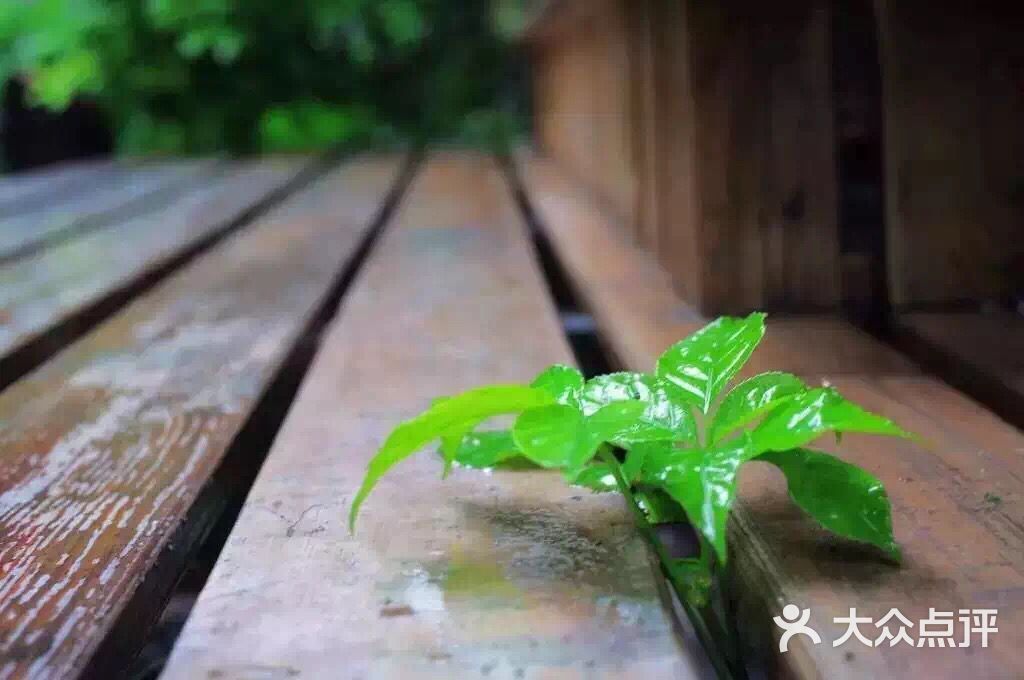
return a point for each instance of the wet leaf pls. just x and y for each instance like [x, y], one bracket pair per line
[704, 483]
[804, 417]
[442, 418]
[486, 449]
[666, 408]
[597, 477]
[564, 383]
[702, 364]
[750, 400]
[559, 436]
[552, 436]
[843, 498]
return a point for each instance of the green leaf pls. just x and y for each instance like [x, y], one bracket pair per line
[597, 478]
[625, 422]
[633, 466]
[55, 84]
[751, 399]
[659, 507]
[559, 436]
[666, 407]
[486, 449]
[600, 478]
[804, 417]
[843, 498]
[444, 417]
[704, 483]
[702, 364]
[552, 436]
[564, 383]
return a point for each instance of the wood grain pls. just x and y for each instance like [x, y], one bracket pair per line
[504, 575]
[37, 293]
[26, 190]
[105, 447]
[953, 103]
[981, 352]
[119, 192]
[732, 171]
[958, 501]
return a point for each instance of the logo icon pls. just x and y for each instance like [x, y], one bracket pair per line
[794, 622]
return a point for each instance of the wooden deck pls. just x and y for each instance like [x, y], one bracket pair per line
[157, 318]
[957, 499]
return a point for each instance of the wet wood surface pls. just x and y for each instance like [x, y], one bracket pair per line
[120, 191]
[501, 575]
[982, 352]
[104, 449]
[23, 190]
[38, 292]
[957, 499]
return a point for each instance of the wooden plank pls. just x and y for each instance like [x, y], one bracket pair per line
[120, 192]
[980, 352]
[105, 448]
[40, 292]
[958, 503]
[511, 575]
[23, 190]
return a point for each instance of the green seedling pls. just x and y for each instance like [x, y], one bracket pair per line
[672, 442]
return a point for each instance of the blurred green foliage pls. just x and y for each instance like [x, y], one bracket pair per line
[199, 76]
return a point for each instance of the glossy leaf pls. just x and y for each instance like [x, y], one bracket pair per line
[843, 498]
[600, 478]
[561, 437]
[625, 422]
[750, 400]
[564, 383]
[702, 364]
[666, 408]
[632, 466]
[804, 417]
[597, 477]
[442, 418]
[552, 436]
[451, 441]
[704, 483]
[486, 449]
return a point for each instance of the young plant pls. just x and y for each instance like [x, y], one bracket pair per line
[670, 442]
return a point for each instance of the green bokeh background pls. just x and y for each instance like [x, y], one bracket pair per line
[265, 76]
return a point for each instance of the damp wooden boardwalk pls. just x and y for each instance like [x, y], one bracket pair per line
[198, 358]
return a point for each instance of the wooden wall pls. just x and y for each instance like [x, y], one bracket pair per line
[725, 168]
[954, 120]
[583, 102]
[709, 126]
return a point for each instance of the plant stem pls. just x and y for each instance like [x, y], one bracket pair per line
[722, 668]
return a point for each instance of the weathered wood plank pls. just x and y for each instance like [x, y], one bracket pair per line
[24, 190]
[39, 292]
[958, 502]
[119, 192]
[981, 352]
[511, 575]
[105, 448]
